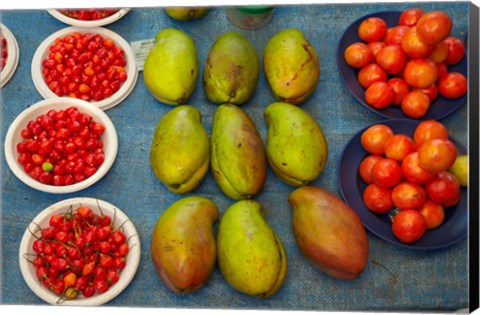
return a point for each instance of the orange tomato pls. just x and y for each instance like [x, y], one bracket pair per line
[434, 26]
[373, 139]
[420, 73]
[358, 55]
[415, 104]
[372, 29]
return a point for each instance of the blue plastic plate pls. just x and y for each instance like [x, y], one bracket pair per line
[453, 229]
[439, 108]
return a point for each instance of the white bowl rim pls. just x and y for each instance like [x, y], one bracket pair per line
[94, 23]
[109, 102]
[127, 274]
[60, 103]
[13, 55]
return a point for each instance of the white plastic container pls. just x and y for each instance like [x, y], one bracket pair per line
[131, 68]
[13, 55]
[94, 23]
[13, 137]
[42, 220]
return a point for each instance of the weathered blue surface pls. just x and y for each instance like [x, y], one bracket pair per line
[418, 280]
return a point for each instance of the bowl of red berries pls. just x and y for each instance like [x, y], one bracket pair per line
[88, 17]
[9, 54]
[79, 251]
[61, 145]
[93, 64]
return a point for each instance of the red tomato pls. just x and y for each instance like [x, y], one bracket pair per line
[410, 17]
[437, 155]
[408, 195]
[452, 202]
[358, 55]
[379, 95]
[391, 58]
[386, 173]
[413, 46]
[370, 74]
[456, 50]
[408, 226]
[453, 85]
[434, 26]
[443, 188]
[431, 92]
[395, 34]
[398, 147]
[433, 213]
[429, 129]
[413, 172]
[400, 87]
[372, 29]
[376, 46]
[415, 104]
[365, 167]
[373, 139]
[420, 73]
[442, 70]
[439, 53]
[378, 199]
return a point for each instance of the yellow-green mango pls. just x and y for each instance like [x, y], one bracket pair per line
[291, 66]
[183, 247]
[186, 13]
[251, 257]
[328, 232]
[171, 68]
[296, 146]
[180, 149]
[231, 70]
[238, 159]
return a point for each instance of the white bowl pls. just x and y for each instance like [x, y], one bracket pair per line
[131, 68]
[13, 137]
[13, 55]
[94, 23]
[119, 218]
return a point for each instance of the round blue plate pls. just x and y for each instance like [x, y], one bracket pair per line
[454, 228]
[439, 108]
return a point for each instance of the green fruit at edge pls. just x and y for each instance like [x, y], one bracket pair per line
[232, 70]
[238, 159]
[183, 247]
[180, 151]
[186, 13]
[328, 232]
[296, 146]
[291, 66]
[460, 170]
[251, 257]
[171, 68]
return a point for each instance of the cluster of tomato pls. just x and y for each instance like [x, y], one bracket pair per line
[410, 174]
[80, 252]
[86, 66]
[3, 52]
[61, 147]
[88, 14]
[407, 65]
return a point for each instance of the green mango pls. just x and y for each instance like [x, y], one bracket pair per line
[296, 146]
[171, 68]
[251, 257]
[328, 232]
[238, 159]
[231, 70]
[180, 149]
[291, 66]
[183, 247]
[186, 13]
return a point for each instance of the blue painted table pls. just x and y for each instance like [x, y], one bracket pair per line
[423, 280]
